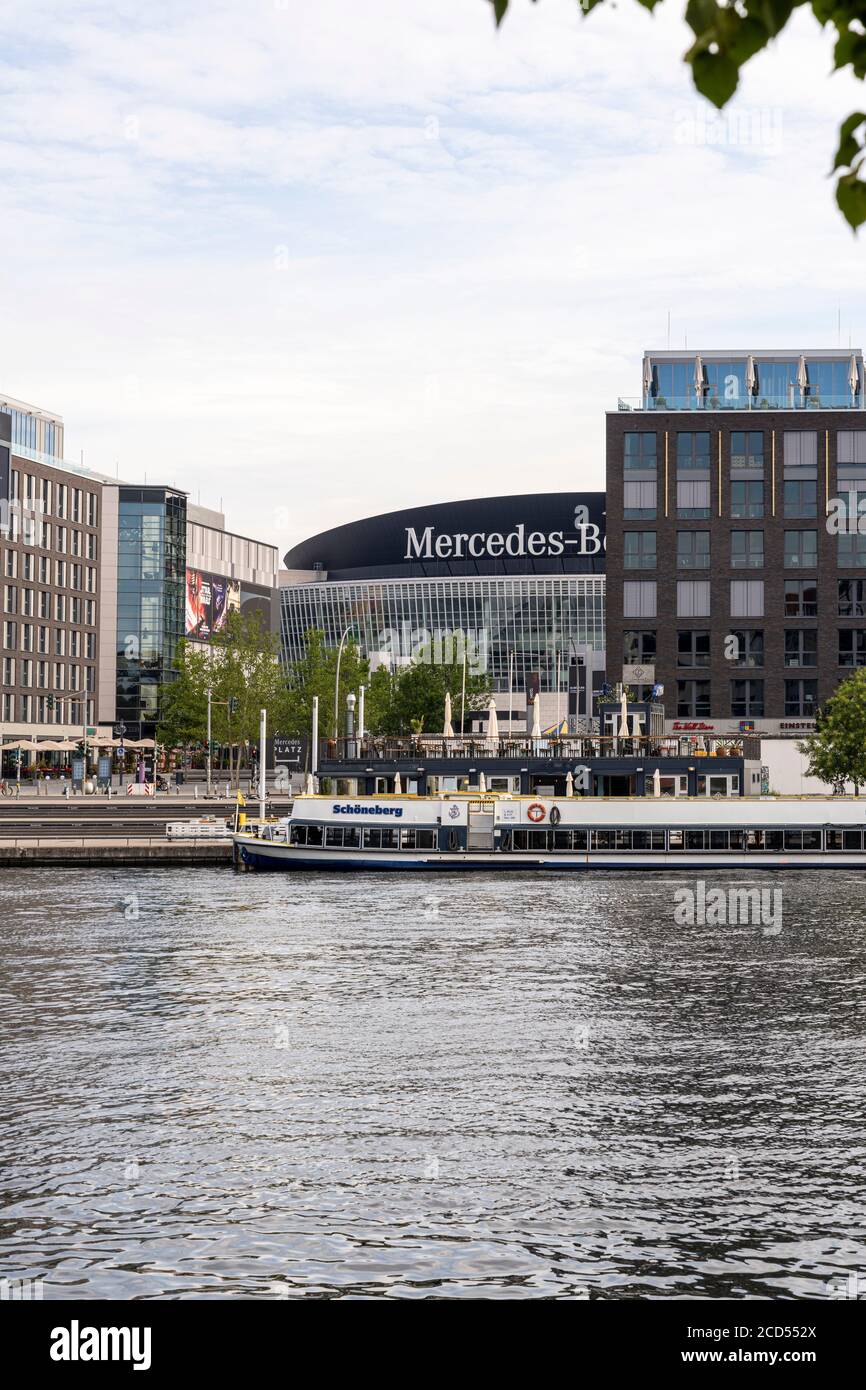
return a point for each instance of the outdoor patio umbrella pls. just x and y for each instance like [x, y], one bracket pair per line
[623, 716]
[448, 728]
[699, 377]
[802, 377]
[853, 378]
[482, 783]
[536, 718]
[398, 784]
[751, 377]
[492, 719]
[569, 783]
[657, 782]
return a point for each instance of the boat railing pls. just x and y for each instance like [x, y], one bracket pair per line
[570, 748]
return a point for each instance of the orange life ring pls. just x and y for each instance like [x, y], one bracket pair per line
[536, 812]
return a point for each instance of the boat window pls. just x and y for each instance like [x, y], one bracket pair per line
[377, 837]
[843, 839]
[334, 837]
[647, 839]
[411, 838]
[696, 839]
[299, 834]
[537, 839]
[314, 835]
[773, 839]
[351, 836]
[802, 839]
[675, 839]
[518, 839]
[562, 839]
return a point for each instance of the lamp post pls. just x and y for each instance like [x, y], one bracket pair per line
[346, 632]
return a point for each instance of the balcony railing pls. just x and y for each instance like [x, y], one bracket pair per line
[416, 750]
[712, 404]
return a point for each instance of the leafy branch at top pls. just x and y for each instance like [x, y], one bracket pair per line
[727, 36]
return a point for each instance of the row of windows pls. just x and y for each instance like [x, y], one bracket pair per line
[741, 647]
[640, 598]
[47, 639]
[35, 710]
[570, 841]
[28, 601]
[746, 698]
[366, 837]
[24, 529]
[747, 449]
[79, 544]
[47, 675]
[70, 503]
[747, 549]
[799, 499]
[769, 382]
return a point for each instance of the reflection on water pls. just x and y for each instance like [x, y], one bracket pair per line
[337, 1086]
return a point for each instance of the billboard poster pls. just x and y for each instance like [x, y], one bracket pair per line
[210, 598]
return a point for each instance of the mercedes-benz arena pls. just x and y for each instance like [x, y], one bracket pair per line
[515, 583]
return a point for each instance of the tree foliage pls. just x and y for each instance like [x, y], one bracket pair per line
[727, 36]
[837, 749]
[242, 665]
[411, 699]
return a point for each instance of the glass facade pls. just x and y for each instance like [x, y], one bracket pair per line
[151, 570]
[537, 619]
[834, 380]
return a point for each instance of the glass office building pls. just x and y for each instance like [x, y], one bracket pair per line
[516, 582]
[151, 566]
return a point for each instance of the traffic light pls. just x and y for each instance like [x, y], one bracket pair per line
[51, 702]
[79, 748]
[233, 704]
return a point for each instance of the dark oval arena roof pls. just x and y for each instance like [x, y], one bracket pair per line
[403, 544]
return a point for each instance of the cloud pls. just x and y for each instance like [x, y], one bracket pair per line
[339, 259]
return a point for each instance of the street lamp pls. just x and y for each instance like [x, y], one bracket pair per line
[337, 680]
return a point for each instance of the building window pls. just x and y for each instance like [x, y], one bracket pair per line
[747, 549]
[800, 448]
[747, 498]
[693, 699]
[850, 549]
[747, 698]
[747, 449]
[852, 598]
[639, 598]
[693, 598]
[851, 446]
[801, 598]
[693, 648]
[91, 509]
[639, 499]
[801, 497]
[693, 550]
[801, 697]
[801, 550]
[747, 598]
[693, 450]
[749, 647]
[801, 646]
[693, 498]
[639, 550]
[639, 647]
[640, 449]
[852, 646]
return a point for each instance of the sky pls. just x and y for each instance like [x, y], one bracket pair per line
[314, 262]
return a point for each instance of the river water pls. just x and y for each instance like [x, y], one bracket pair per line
[281, 1086]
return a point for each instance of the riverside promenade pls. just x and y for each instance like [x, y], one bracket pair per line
[50, 828]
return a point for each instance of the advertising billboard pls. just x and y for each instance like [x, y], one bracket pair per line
[209, 600]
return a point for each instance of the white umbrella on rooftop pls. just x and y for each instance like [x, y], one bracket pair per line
[699, 377]
[623, 715]
[751, 377]
[448, 728]
[482, 783]
[536, 718]
[853, 378]
[492, 719]
[569, 783]
[802, 377]
[309, 785]
[657, 782]
[398, 784]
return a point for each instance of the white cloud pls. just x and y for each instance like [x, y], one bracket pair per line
[348, 257]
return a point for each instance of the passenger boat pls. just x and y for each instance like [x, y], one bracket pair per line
[460, 831]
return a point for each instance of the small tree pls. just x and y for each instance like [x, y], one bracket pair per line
[412, 698]
[316, 674]
[837, 749]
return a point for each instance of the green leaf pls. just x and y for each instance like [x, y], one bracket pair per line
[851, 197]
[499, 8]
[716, 77]
[849, 148]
